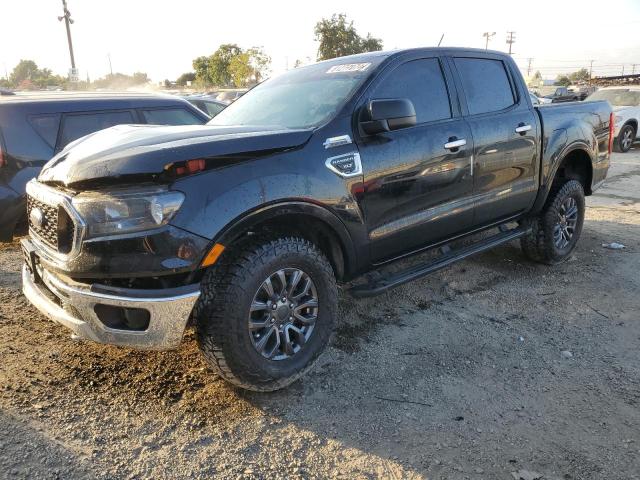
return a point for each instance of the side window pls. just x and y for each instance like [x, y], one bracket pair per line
[76, 125]
[213, 108]
[46, 126]
[422, 82]
[170, 116]
[486, 84]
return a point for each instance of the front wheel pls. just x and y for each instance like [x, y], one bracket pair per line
[626, 137]
[556, 230]
[266, 312]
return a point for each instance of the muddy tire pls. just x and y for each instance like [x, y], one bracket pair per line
[556, 230]
[266, 312]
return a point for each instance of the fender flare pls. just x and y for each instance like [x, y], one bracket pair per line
[545, 187]
[252, 218]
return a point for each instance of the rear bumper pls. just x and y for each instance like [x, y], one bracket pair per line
[74, 306]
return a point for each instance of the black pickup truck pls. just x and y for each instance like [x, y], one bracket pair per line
[245, 226]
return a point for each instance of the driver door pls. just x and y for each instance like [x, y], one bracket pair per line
[418, 182]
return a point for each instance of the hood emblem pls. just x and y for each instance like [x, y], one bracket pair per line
[36, 217]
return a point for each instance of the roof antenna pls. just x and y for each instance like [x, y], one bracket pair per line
[441, 39]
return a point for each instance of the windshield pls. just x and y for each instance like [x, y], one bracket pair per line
[300, 98]
[618, 97]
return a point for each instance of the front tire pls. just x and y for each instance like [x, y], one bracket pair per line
[626, 137]
[266, 312]
[556, 230]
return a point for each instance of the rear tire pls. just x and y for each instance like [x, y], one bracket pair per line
[235, 312]
[625, 139]
[556, 230]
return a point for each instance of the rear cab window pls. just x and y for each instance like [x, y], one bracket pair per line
[486, 84]
[76, 125]
[170, 116]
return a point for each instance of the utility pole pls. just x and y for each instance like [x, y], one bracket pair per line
[623, 69]
[633, 68]
[68, 21]
[110, 67]
[590, 70]
[511, 40]
[529, 66]
[488, 36]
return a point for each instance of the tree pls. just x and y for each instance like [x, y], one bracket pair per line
[580, 76]
[218, 68]
[249, 67]
[186, 77]
[201, 66]
[537, 76]
[25, 70]
[338, 38]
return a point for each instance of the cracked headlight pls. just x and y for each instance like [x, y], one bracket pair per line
[126, 211]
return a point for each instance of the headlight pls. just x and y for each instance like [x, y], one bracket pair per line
[126, 211]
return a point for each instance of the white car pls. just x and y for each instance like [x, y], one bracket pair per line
[626, 108]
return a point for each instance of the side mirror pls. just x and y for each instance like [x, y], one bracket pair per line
[380, 116]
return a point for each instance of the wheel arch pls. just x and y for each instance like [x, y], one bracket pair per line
[305, 219]
[574, 164]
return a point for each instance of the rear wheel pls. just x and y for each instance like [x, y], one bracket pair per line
[266, 312]
[626, 137]
[556, 230]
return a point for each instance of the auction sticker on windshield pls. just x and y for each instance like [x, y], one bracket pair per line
[349, 67]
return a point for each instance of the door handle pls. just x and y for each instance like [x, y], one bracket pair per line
[454, 143]
[522, 128]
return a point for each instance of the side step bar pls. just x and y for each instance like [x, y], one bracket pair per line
[449, 257]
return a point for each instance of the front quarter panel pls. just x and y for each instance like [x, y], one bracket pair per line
[217, 199]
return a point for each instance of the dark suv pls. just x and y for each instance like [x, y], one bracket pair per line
[34, 127]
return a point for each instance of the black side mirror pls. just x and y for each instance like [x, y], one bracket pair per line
[380, 116]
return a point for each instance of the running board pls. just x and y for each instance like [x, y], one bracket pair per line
[447, 258]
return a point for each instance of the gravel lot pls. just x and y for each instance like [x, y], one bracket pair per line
[461, 375]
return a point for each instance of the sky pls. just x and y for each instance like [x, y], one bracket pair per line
[162, 37]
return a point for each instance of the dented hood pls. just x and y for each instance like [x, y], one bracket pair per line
[139, 151]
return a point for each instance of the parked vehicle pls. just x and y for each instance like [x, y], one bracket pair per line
[229, 96]
[564, 94]
[4, 91]
[626, 107]
[206, 104]
[34, 127]
[536, 100]
[314, 177]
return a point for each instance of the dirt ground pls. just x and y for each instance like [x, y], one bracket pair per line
[459, 376]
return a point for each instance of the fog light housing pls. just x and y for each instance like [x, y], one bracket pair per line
[123, 318]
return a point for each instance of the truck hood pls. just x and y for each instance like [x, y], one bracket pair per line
[136, 152]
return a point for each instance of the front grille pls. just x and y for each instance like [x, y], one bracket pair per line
[48, 231]
[56, 230]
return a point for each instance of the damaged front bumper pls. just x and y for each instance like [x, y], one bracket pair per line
[148, 319]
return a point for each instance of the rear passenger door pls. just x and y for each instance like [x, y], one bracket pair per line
[504, 129]
[417, 181]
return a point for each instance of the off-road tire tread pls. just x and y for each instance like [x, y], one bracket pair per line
[221, 286]
[538, 245]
